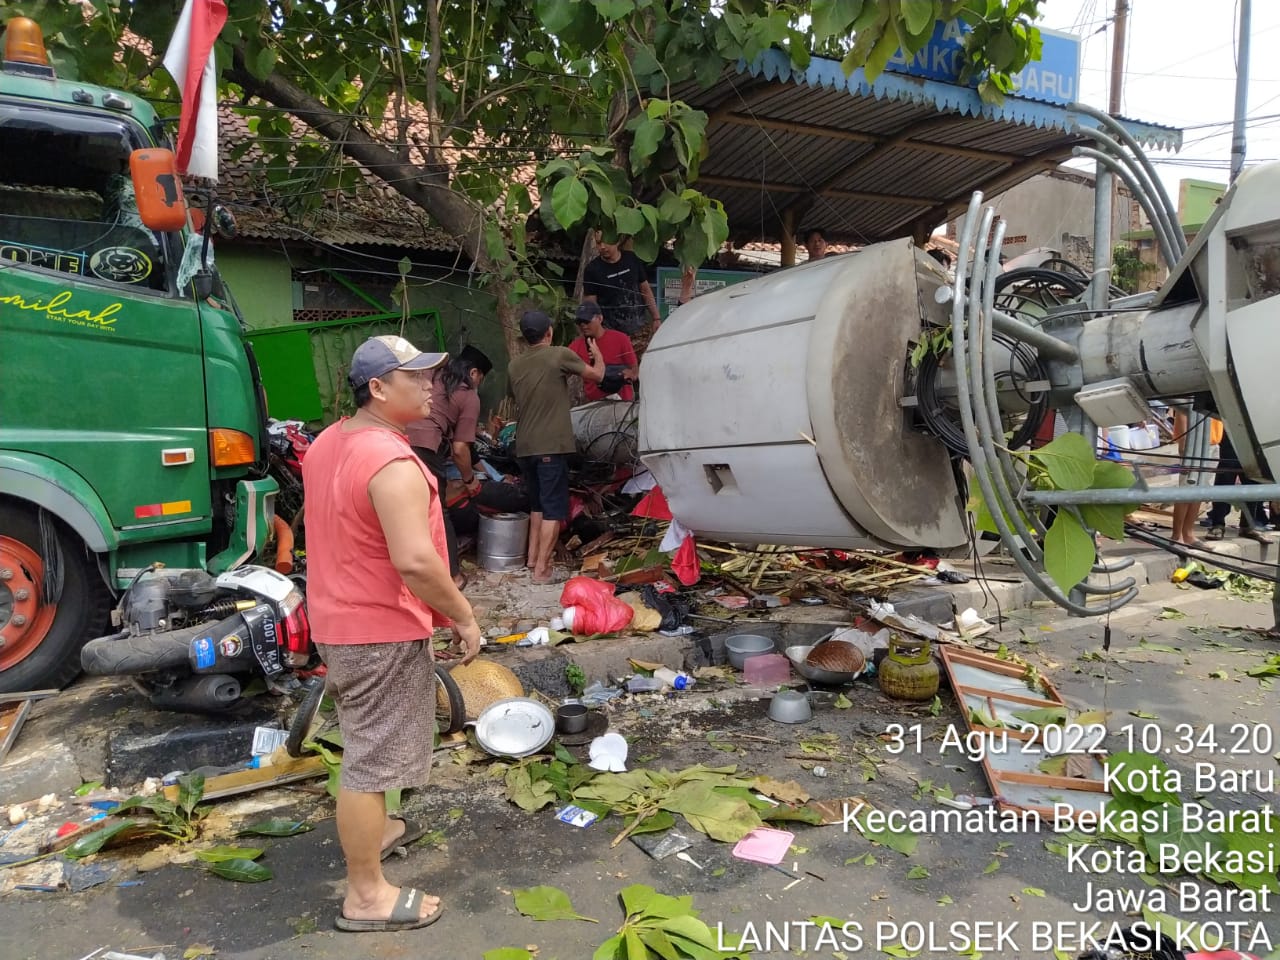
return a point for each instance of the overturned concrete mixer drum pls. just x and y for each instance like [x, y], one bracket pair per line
[770, 410]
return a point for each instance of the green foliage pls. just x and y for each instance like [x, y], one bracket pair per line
[1126, 268]
[659, 927]
[1068, 463]
[576, 678]
[513, 83]
[175, 821]
[547, 903]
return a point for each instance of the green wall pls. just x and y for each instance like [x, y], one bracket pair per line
[260, 279]
[260, 282]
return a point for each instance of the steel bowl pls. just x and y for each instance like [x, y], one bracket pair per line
[799, 655]
[515, 727]
[571, 718]
[741, 647]
[790, 706]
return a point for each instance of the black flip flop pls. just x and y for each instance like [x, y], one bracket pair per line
[404, 916]
[412, 831]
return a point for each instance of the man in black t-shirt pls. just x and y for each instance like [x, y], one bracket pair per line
[618, 281]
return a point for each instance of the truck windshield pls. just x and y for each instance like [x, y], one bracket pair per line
[66, 200]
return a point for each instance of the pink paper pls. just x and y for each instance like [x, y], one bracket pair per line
[764, 845]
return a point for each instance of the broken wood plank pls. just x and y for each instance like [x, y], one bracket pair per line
[247, 781]
[12, 717]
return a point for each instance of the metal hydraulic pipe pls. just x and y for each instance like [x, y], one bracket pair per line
[959, 335]
[1242, 93]
[1240, 493]
[1145, 187]
[1169, 248]
[1045, 343]
[1099, 292]
[1125, 137]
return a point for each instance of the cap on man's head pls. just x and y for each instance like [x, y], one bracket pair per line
[378, 356]
[475, 358]
[534, 325]
[587, 312]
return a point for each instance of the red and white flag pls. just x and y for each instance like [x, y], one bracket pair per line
[190, 61]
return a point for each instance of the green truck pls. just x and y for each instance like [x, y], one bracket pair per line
[132, 416]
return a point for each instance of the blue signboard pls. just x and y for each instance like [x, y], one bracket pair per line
[1054, 78]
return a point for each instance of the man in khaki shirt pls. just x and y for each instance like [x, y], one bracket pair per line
[539, 381]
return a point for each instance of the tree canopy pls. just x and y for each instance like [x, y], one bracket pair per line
[449, 102]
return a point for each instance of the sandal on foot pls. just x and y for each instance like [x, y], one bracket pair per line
[1216, 532]
[412, 831]
[404, 916]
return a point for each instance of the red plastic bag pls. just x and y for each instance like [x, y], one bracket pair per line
[685, 563]
[595, 608]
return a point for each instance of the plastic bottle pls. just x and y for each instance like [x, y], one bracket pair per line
[642, 684]
[673, 678]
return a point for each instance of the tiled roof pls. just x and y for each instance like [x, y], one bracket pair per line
[373, 215]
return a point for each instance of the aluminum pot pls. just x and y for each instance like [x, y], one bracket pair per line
[515, 727]
[571, 718]
[790, 706]
[741, 647]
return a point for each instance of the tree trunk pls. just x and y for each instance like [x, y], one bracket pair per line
[427, 188]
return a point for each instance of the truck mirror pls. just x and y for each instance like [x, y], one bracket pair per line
[158, 189]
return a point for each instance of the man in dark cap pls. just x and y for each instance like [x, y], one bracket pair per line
[444, 437]
[614, 345]
[539, 381]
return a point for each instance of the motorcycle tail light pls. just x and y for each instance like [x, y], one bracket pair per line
[296, 630]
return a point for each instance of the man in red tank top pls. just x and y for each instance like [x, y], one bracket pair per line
[378, 584]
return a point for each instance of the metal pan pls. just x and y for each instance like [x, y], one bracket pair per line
[798, 655]
[515, 727]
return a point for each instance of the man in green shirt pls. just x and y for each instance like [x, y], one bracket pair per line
[539, 381]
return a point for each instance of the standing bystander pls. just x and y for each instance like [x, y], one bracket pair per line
[539, 381]
[378, 585]
[619, 281]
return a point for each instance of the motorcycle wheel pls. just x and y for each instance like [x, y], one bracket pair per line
[451, 712]
[300, 726]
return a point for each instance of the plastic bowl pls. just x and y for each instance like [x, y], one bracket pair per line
[742, 647]
[789, 706]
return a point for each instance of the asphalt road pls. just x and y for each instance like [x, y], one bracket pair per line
[1186, 668]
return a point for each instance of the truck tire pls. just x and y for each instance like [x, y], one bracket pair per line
[42, 640]
[126, 656]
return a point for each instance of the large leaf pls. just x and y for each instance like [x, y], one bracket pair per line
[645, 140]
[555, 15]
[629, 220]
[93, 842]
[917, 15]
[569, 201]
[834, 17]
[1069, 460]
[1144, 772]
[1106, 518]
[1069, 551]
[190, 792]
[547, 903]
[720, 817]
[277, 828]
[242, 871]
[219, 854]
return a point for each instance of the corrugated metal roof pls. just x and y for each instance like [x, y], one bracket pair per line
[867, 162]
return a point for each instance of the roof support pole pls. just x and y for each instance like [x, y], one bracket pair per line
[788, 237]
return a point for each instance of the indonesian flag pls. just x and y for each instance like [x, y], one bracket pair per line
[190, 62]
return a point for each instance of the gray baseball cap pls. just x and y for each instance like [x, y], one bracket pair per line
[378, 356]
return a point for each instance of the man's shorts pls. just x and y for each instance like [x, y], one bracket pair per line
[546, 477]
[386, 699]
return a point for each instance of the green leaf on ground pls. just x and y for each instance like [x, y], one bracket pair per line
[91, 843]
[1143, 715]
[242, 871]
[945, 900]
[508, 953]
[277, 828]
[917, 873]
[547, 903]
[1033, 891]
[219, 854]
[992, 867]
[842, 702]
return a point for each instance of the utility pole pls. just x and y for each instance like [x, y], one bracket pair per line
[1242, 92]
[1118, 37]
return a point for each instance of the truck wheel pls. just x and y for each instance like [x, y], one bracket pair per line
[39, 641]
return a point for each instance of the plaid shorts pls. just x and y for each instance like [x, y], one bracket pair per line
[386, 697]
